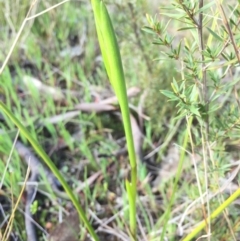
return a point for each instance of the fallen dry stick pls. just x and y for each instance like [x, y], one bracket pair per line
[106, 104]
[35, 165]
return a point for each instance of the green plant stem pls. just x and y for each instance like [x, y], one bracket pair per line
[215, 213]
[113, 64]
[166, 215]
[52, 167]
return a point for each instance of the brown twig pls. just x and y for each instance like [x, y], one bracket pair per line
[190, 14]
[204, 94]
[201, 47]
[227, 26]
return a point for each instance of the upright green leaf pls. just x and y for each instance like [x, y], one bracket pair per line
[113, 64]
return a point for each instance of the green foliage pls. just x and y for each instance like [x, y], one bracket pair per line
[34, 207]
[207, 67]
[51, 165]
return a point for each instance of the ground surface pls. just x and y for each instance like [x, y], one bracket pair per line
[56, 85]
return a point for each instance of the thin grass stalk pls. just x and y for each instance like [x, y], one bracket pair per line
[113, 64]
[215, 213]
[52, 167]
[166, 215]
[10, 221]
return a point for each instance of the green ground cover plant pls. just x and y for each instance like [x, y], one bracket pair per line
[183, 184]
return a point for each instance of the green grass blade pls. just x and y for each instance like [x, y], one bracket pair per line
[52, 167]
[113, 64]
